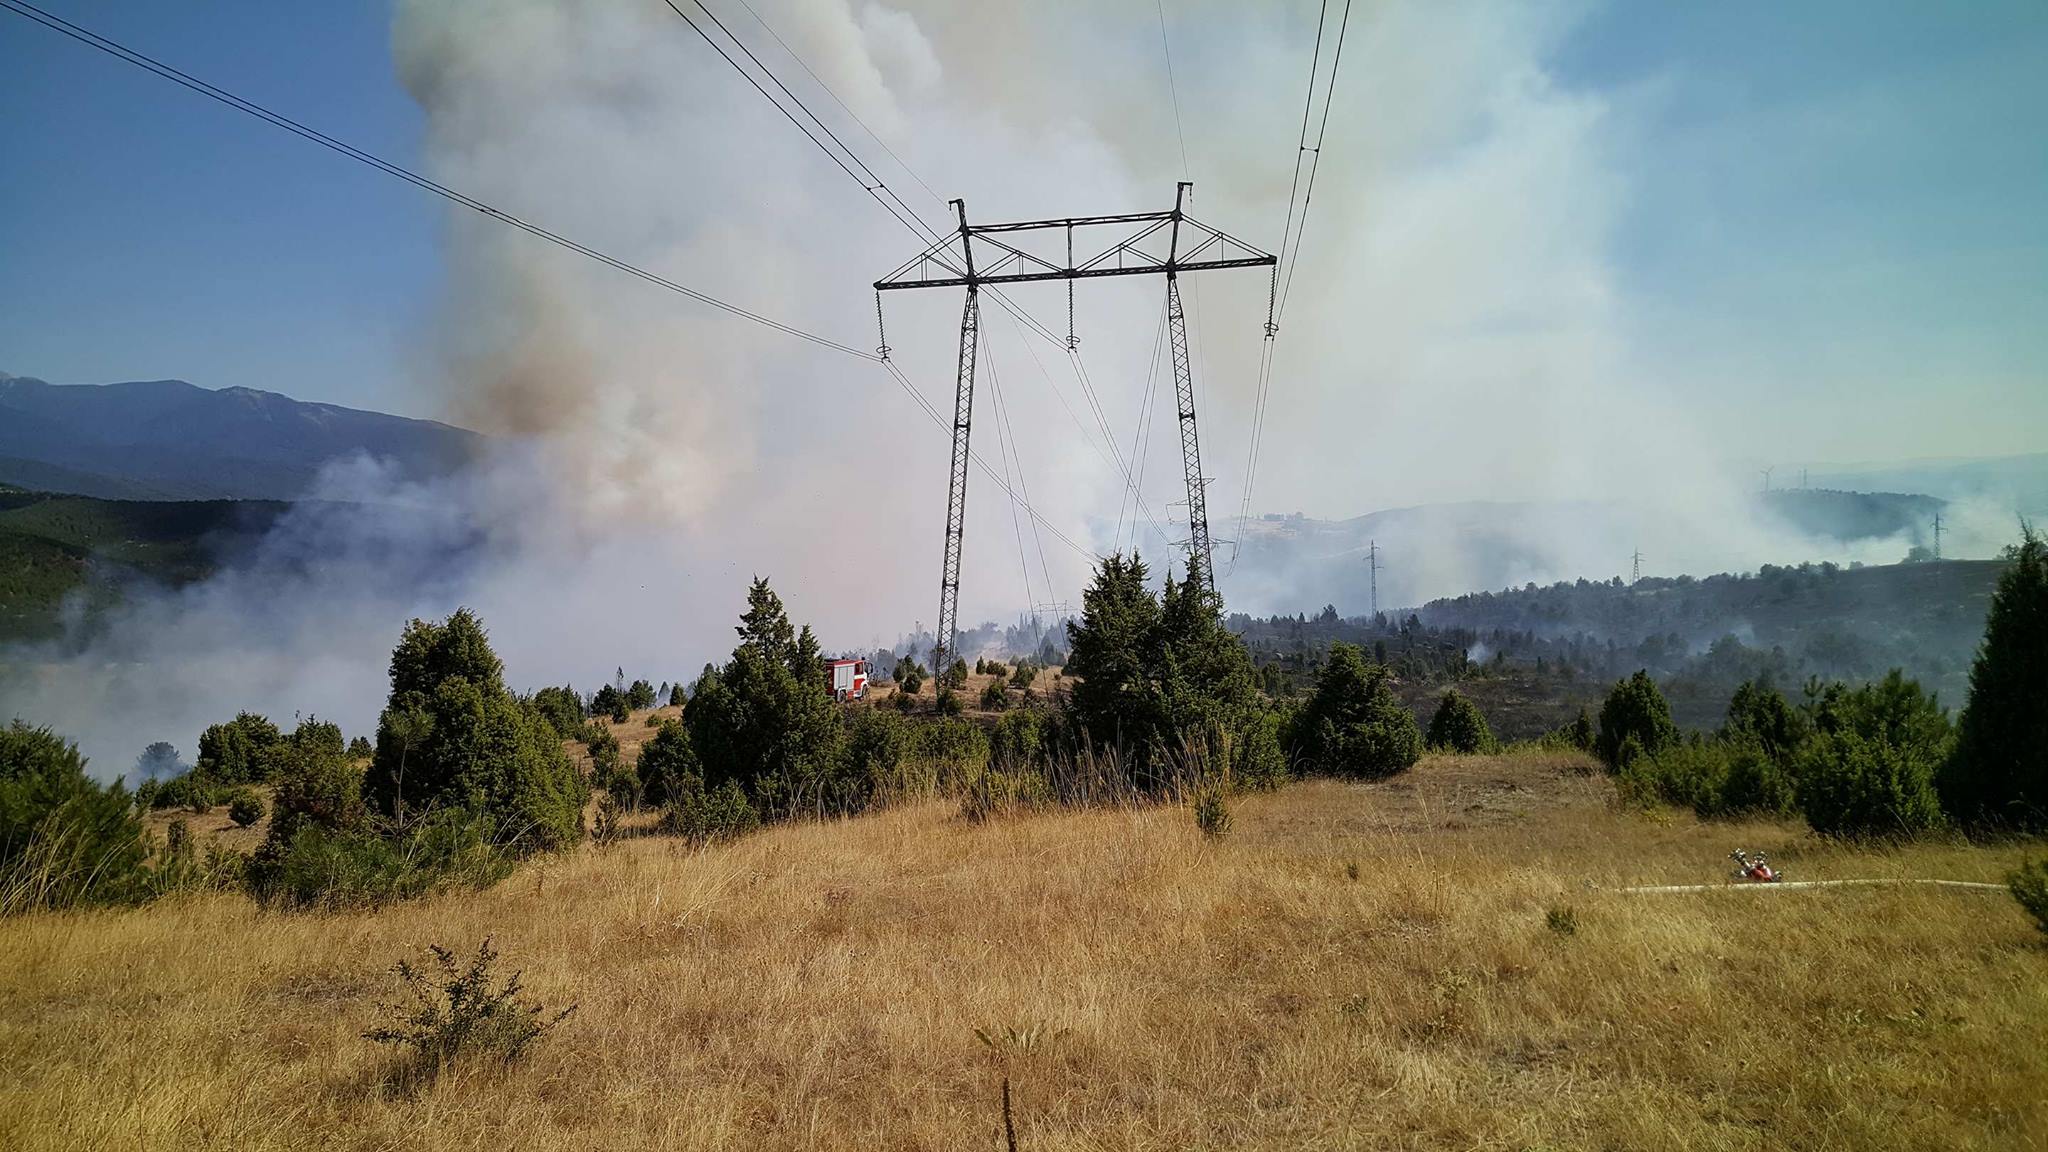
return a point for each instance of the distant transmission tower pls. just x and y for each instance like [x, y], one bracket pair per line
[1937, 535]
[1636, 567]
[1373, 562]
[988, 254]
[1767, 478]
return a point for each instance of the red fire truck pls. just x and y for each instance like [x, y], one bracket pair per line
[849, 679]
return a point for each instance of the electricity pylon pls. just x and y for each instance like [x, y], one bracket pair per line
[950, 262]
[1373, 563]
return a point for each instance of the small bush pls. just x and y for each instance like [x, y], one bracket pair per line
[1458, 726]
[948, 703]
[1634, 711]
[326, 868]
[244, 808]
[1353, 724]
[1212, 812]
[455, 1012]
[904, 701]
[1562, 919]
[994, 698]
[703, 816]
[1869, 769]
[609, 814]
[1023, 675]
[2029, 885]
[64, 839]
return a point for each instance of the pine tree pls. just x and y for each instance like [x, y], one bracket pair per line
[1459, 726]
[1998, 773]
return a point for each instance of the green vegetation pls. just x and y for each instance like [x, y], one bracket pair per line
[52, 546]
[2029, 886]
[1869, 768]
[1635, 721]
[1998, 775]
[1353, 724]
[1458, 726]
[451, 736]
[454, 1013]
[64, 839]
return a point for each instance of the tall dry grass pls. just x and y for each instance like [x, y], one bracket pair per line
[1354, 966]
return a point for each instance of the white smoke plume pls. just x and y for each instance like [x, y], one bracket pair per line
[1454, 332]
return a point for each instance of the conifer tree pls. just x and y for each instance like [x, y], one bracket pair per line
[1998, 773]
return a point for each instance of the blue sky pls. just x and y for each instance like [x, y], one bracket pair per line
[1844, 198]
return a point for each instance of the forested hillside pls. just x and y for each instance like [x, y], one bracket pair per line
[1534, 655]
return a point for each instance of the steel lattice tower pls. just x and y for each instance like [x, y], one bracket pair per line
[1190, 245]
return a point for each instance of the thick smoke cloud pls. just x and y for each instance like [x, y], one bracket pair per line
[1454, 332]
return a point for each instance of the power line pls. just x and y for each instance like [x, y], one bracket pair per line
[1277, 295]
[1172, 89]
[1315, 157]
[827, 90]
[140, 60]
[166, 71]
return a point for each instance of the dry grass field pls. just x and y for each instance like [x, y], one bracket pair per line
[1354, 966]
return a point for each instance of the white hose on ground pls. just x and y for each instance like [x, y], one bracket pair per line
[1789, 884]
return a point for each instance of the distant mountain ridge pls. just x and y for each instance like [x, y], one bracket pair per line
[171, 440]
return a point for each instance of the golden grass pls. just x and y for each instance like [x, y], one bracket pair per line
[819, 986]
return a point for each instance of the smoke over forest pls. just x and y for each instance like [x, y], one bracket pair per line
[1455, 336]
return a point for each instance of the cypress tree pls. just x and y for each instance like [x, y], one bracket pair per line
[1998, 773]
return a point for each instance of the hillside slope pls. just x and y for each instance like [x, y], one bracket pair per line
[1356, 966]
[166, 439]
[52, 546]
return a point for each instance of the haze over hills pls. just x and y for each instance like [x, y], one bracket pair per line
[170, 440]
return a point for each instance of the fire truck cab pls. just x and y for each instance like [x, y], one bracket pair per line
[849, 679]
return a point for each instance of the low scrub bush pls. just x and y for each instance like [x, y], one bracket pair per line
[1635, 721]
[705, 815]
[1713, 777]
[327, 868]
[1458, 726]
[1212, 811]
[1353, 724]
[995, 698]
[65, 840]
[2029, 886]
[1869, 768]
[244, 807]
[458, 1011]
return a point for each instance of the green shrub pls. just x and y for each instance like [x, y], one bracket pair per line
[1634, 710]
[1869, 769]
[1353, 724]
[192, 791]
[1022, 677]
[994, 697]
[232, 753]
[1458, 726]
[2029, 885]
[360, 748]
[703, 815]
[320, 867]
[1998, 773]
[244, 807]
[1212, 811]
[1759, 713]
[1717, 777]
[665, 761]
[948, 703]
[452, 736]
[640, 695]
[1562, 919]
[563, 709]
[65, 840]
[1258, 756]
[903, 702]
[456, 1013]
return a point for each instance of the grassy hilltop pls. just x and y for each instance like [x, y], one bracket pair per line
[1439, 959]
